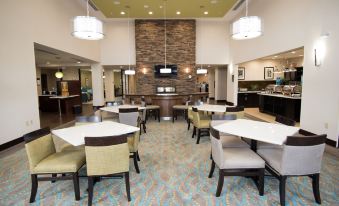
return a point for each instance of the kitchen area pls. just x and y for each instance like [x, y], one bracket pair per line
[272, 86]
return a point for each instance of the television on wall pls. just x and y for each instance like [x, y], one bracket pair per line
[171, 71]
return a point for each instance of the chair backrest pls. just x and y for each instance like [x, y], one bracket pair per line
[39, 145]
[106, 155]
[285, 120]
[302, 155]
[217, 150]
[196, 116]
[224, 117]
[238, 110]
[94, 119]
[129, 116]
[143, 115]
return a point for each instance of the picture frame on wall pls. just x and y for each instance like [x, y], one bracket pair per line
[241, 73]
[268, 72]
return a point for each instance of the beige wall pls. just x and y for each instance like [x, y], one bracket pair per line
[22, 23]
[86, 74]
[220, 83]
[70, 73]
[211, 82]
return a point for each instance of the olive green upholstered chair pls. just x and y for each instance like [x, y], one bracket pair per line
[130, 116]
[106, 156]
[201, 123]
[43, 159]
[189, 117]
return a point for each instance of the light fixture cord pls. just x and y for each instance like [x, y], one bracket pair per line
[165, 34]
[129, 43]
[87, 8]
[246, 7]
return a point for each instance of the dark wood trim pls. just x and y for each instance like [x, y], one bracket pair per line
[331, 142]
[235, 109]
[36, 134]
[128, 110]
[215, 133]
[11, 143]
[105, 141]
[306, 141]
[211, 98]
[305, 133]
[229, 103]
[221, 101]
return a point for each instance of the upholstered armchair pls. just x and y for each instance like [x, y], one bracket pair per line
[130, 116]
[301, 155]
[200, 123]
[235, 162]
[106, 156]
[43, 159]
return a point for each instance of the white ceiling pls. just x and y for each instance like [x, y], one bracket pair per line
[294, 53]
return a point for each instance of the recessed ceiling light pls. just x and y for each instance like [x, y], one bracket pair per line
[301, 55]
[47, 63]
[150, 12]
[206, 12]
[79, 62]
[116, 2]
[146, 6]
[275, 56]
[293, 52]
[122, 13]
[178, 12]
[160, 7]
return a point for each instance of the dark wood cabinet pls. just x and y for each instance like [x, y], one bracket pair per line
[248, 100]
[275, 105]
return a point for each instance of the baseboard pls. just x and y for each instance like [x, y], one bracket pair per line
[229, 103]
[221, 101]
[11, 143]
[211, 98]
[331, 143]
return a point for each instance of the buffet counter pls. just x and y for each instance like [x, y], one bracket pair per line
[165, 101]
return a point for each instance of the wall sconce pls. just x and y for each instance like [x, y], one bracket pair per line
[144, 70]
[320, 50]
[187, 70]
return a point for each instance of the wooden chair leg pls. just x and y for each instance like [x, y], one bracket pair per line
[189, 124]
[193, 133]
[212, 169]
[34, 187]
[261, 180]
[76, 186]
[136, 162]
[144, 127]
[282, 185]
[220, 183]
[158, 115]
[316, 189]
[138, 157]
[90, 190]
[127, 186]
[53, 175]
[173, 115]
[198, 139]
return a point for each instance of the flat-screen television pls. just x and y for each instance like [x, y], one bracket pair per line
[171, 71]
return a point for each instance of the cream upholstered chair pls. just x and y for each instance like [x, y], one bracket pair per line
[301, 155]
[106, 156]
[200, 123]
[143, 115]
[43, 159]
[130, 116]
[235, 162]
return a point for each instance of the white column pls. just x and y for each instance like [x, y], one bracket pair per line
[98, 85]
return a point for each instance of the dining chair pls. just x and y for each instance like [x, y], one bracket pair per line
[200, 124]
[235, 162]
[143, 119]
[130, 116]
[238, 110]
[44, 160]
[189, 117]
[301, 155]
[106, 156]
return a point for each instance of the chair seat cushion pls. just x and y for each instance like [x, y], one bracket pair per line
[241, 158]
[272, 156]
[61, 162]
[204, 124]
[181, 107]
[232, 141]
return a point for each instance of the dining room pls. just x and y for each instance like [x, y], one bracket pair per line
[139, 103]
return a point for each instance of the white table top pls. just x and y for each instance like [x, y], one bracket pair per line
[76, 135]
[115, 109]
[261, 131]
[211, 108]
[63, 97]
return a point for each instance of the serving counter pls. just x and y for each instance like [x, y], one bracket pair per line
[165, 101]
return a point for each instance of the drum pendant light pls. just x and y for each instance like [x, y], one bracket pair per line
[87, 27]
[247, 27]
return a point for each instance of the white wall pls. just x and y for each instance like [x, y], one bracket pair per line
[116, 46]
[22, 23]
[212, 42]
[211, 81]
[220, 83]
[288, 26]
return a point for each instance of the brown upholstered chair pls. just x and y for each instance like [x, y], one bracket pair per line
[235, 162]
[106, 156]
[43, 159]
[200, 123]
[130, 116]
[301, 155]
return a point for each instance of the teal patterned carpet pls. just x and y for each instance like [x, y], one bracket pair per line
[174, 171]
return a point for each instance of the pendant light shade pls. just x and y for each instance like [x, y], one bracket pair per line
[87, 27]
[59, 75]
[130, 72]
[247, 27]
[165, 70]
[201, 71]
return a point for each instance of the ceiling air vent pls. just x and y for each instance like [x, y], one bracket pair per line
[92, 5]
[238, 5]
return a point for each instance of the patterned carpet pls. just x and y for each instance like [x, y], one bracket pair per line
[174, 171]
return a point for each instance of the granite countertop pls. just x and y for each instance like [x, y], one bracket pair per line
[279, 95]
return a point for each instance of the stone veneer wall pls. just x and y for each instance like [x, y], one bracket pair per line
[150, 50]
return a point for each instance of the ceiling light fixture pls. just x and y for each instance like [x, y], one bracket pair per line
[129, 71]
[201, 70]
[178, 12]
[293, 52]
[59, 74]
[206, 12]
[150, 12]
[122, 13]
[79, 62]
[247, 27]
[87, 27]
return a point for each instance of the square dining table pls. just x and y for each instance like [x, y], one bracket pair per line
[76, 135]
[115, 109]
[212, 108]
[258, 131]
